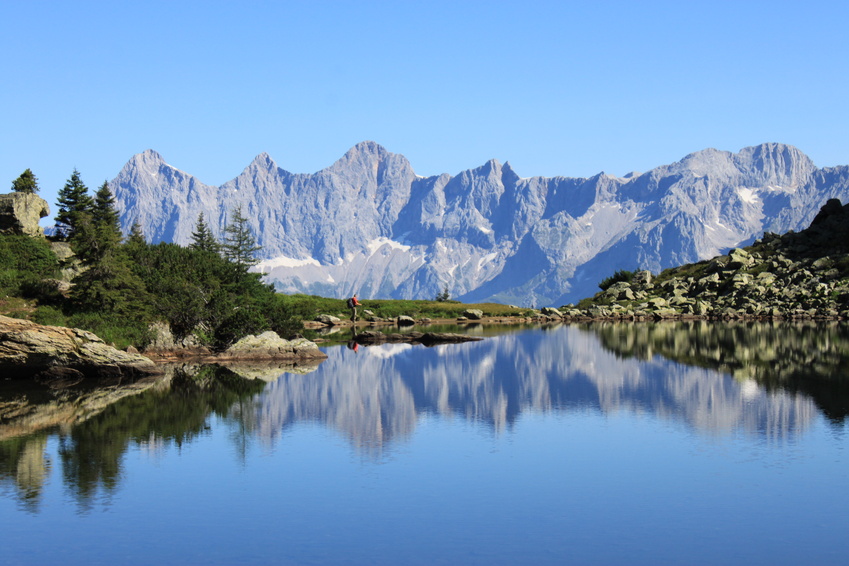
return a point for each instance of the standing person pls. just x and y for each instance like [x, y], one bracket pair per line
[353, 303]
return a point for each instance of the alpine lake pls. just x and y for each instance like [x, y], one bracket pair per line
[626, 443]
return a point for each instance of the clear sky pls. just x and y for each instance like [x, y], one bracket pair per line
[554, 87]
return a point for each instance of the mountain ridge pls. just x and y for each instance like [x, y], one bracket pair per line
[369, 223]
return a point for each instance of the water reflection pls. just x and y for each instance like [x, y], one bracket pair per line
[96, 423]
[763, 380]
[811, 358]
[376, 396]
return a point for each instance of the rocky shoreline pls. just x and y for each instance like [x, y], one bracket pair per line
[796, 276]
[30, 350]
[49, 353]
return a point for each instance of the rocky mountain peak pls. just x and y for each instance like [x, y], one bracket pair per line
[776, 164]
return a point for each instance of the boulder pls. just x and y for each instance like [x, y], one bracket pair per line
[473, 314]
[641, 278]
[20, 213]
[739, 258]
[31, 350]
[270, 346]
[328, 319]
[404, 320]
[550, 311]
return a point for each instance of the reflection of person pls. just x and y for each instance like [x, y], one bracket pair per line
[354, 345]
[353, 303]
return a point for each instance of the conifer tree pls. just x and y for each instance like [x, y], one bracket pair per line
[25, 183]
[73, 201]
[104, 211]
[203, 238]
[98, 230]
[136, 236]
[239, 243]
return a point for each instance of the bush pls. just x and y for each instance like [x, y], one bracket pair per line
[244, 321]
[621, 275]
[29, 255]
[45, 291]
[112, 328]
[48, 315]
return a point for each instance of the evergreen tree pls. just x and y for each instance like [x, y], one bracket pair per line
[203, 238]
[136, 236]
[73, 201]
[239, 244]
[104, 212]
[26, 183]
[97, 230]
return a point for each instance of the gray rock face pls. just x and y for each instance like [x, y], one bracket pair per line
[369, 224]
[20, 213]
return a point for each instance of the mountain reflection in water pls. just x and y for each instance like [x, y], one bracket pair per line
[764, 380]
[377, 396]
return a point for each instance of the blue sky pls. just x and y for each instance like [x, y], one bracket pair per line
[556, 88]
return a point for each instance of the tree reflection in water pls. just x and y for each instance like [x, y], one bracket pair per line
[173, 411]
[810, 358]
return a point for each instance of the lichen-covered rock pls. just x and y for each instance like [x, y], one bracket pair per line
[404, 320]
[27, 349]
[269, 345]
[328, 319]
[20, 213]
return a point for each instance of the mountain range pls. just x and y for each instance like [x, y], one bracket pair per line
[369, 224]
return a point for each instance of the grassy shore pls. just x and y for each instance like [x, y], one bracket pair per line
[310, 306]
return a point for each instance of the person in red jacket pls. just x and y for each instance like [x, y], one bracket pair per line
[353, 303]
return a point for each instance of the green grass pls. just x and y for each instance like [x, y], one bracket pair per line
[311, 306]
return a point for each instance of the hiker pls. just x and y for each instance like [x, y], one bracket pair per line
[353, 303]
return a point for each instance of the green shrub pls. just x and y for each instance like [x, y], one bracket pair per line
[621, 275]
[51, 316]
[45, 291]
[244, 321]
[112, 328]
[29, 255]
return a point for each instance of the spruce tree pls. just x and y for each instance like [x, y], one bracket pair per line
[104, 212]
[26, 183]
[203, 238]
[73, 202]
[136, 236]
[239, 243]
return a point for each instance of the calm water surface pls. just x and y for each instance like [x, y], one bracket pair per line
[600, 444]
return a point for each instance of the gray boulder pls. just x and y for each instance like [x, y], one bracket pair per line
[269, 345]
[20, 213]
[473, 314]
[28, 349]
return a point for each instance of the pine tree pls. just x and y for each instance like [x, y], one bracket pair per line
[26, 183]
[239, 244]
[203, 238]
[73, 201]
[97, 230]
[136, 236]
[104, 211]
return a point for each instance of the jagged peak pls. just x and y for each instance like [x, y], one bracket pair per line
[367, 146]
[149, 156]
[263, 160]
